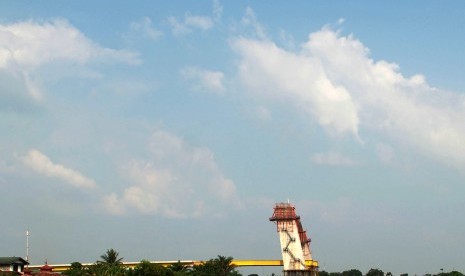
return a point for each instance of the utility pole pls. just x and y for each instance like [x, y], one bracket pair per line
[27, 245]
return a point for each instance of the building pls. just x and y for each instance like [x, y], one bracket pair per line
[15, 264]
[45, 270]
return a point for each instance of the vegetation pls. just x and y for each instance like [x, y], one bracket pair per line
[110, 264]
[379, 272]
[110, 258]
[220, 266]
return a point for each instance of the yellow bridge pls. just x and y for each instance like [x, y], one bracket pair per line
[238, 263]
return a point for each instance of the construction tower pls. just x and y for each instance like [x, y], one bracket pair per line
[295, 244]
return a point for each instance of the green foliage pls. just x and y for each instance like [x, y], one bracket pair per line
[323, 273]
[9, 273]
[146, 268]
[375, 272]
[179, 268]
[220, 266]
[452, 273]
[352, 272]
[76, 269]
[104, 269]
[110, 257]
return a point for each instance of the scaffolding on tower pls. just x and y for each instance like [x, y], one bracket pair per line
[295, 244]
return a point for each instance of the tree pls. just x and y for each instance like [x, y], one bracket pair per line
[452, 273]
[220, 266]
[323, 273]
[103, 269]
[225, 265]
[146, 268]
[352, 272]
[76, 269]
[111, 257]
[109, 265]
[375, 272]
[179, 268]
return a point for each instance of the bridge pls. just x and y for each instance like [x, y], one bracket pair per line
[189, 263]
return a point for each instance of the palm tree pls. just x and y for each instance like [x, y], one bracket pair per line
[111, 258]
[178, 267]
[225, 265]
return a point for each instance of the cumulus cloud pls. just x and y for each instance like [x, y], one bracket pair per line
[212, 81]
[41, 164]
[177, 181]
[299, 80]
[333, 159]
[189, 23]
[334, 81]
[27, 45]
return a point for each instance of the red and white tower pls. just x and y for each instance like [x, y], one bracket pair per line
[295, 244]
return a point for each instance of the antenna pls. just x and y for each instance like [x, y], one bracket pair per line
[27, 245]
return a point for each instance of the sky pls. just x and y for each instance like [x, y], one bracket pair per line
[168, 130]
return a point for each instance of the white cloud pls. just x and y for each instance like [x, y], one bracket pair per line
[407, 109]
[333, 80]
[205, 79]
[250, 20]
[41, 164]
[200, 22]
[300, 80]
[112, 205]
[217, 10]
[27, 45]
[31, 44]
[145, 27]
[177, 28]
[189, 23]
[385, 153]
[333, 159]
[263, 113]
[177, 181]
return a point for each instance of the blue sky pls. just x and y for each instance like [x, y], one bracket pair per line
[167, 130]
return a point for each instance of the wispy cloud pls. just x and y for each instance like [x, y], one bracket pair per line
[189, 23]
[209, 80]
[385, 153]
[42, 164]
[250, 20]
[177, 181]
[217, 10]
[332, 159]
[145, 28]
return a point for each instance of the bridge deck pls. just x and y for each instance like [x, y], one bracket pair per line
[238, 263]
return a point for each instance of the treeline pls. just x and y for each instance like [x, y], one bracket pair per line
[379, 272]
[110, 264]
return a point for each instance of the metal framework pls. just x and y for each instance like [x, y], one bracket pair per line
[295, 244]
